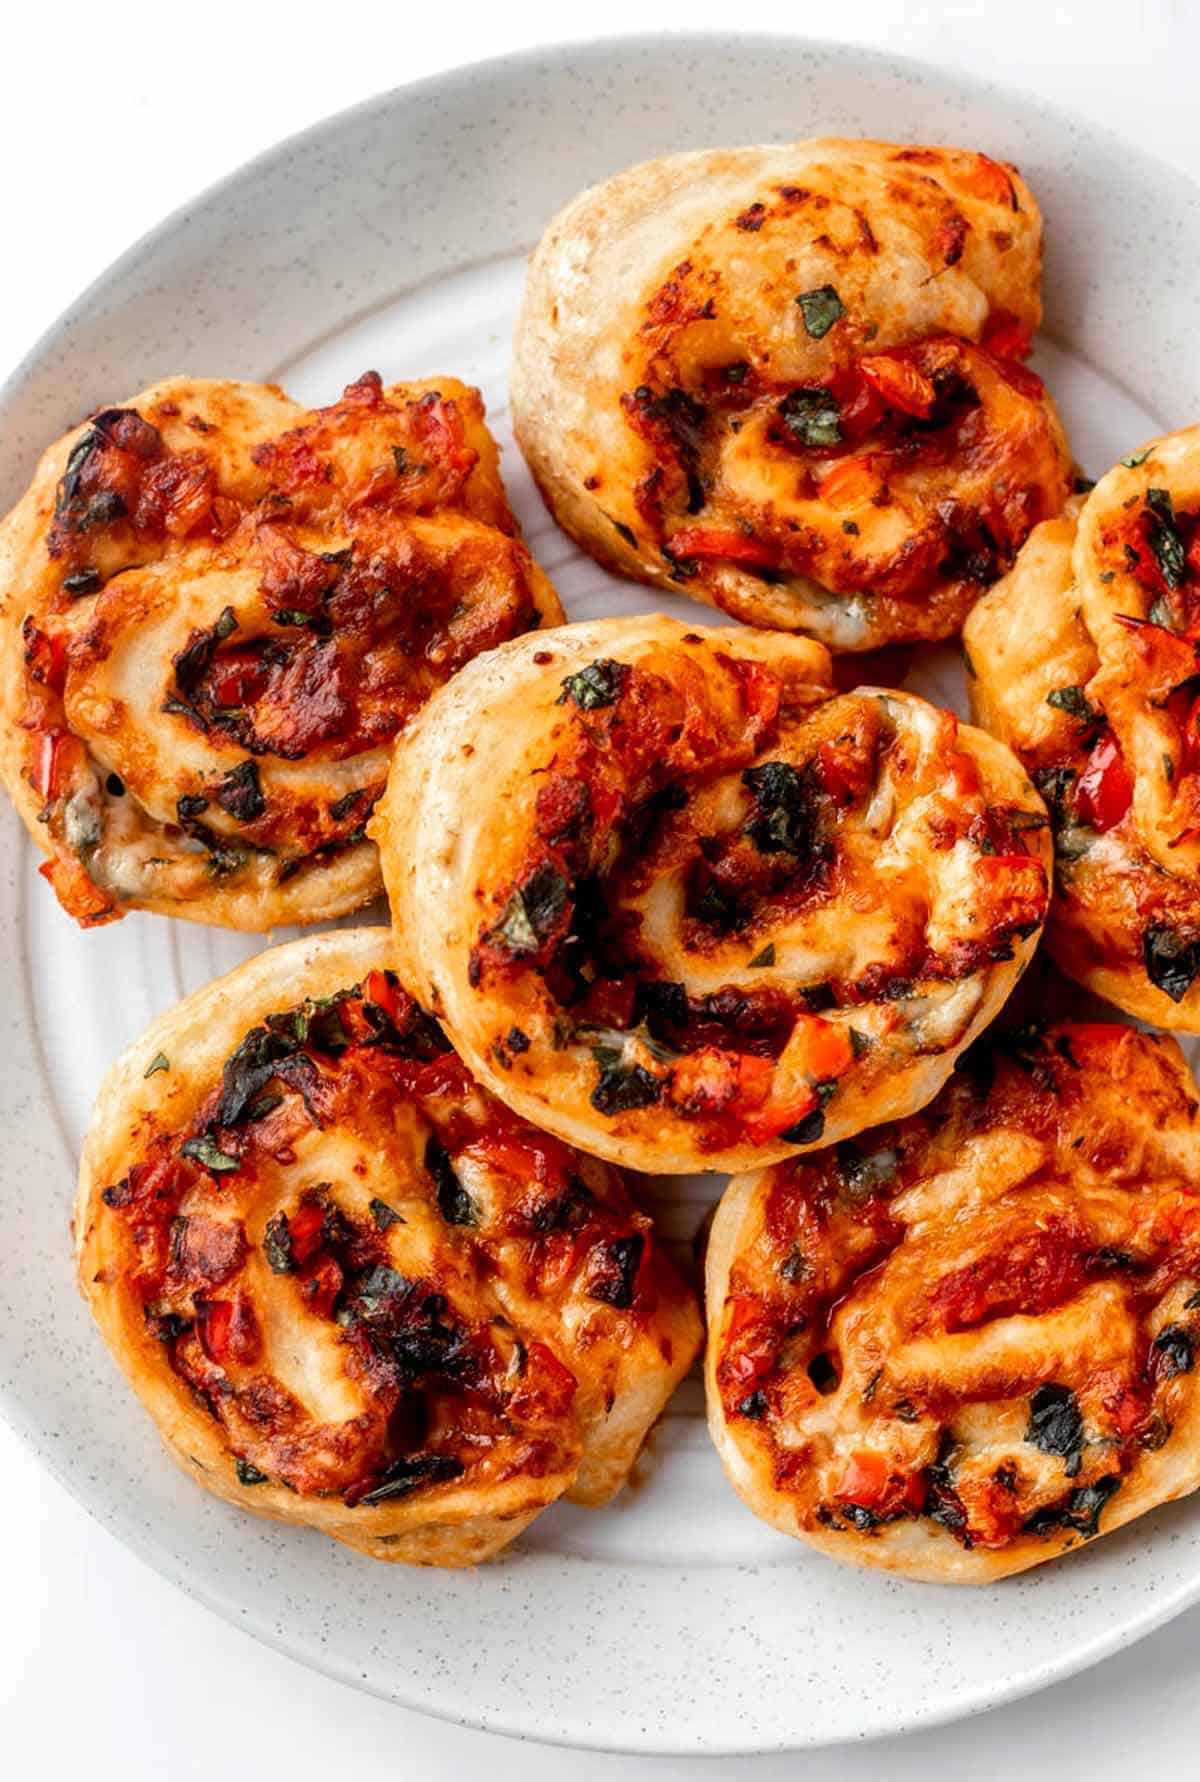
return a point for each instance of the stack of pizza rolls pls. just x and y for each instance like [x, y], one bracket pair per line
[354, 1220]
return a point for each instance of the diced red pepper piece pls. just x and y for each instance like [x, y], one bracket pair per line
[1006, 337]
[1104, 790]
[306, 1228]
[864, 1480]
[722, 541]
[900, 383]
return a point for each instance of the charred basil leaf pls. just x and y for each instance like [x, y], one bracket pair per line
[766, 957]
[1081, 1511]
[785, 820]
[190, 806]
[1163, 535]
[247, 1474]
[191, 662]
[624, 532]
[812, 416]
[1131, 463]
[406, 1475]
[454, 1203]
[821, 309]
[754, 1405]
[265, 1053]
[205, 1150]
[598, 684]
[342, 807]
[622, 1086]
[160, 1061]
[810, 1129]
[531, 912]
[1056, 1425]
[615, 1284]
[403, 467]
[1171, 960]
[84, 581]
[1177, 1349]
[277, 1245]
[240, 794]
[1073, 701]
[384, 1215]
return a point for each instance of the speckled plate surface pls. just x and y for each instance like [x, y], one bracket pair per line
[393, 236]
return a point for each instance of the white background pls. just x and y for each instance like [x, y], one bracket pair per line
[110, 116]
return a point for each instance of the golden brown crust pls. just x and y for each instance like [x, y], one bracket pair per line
[786, 380]
[216, 611]
[1084, 662]
[352, 1291]
[683, 906]
[965, 1343]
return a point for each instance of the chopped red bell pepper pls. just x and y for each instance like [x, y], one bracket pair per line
[900, 383]
[1104, 789]
[722, 541]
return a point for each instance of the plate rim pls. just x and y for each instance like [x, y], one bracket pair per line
[19, 1415]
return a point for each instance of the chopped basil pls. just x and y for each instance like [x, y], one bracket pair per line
[1171, 960]
[1177, 1349]
[1056, 1425]
[206, 1151]
[407, 1474]
[531, 912]
[384, 1215]
[625, 532]
[454, 1203]
[240, 795]
[190, 806]
[1081, 1511]
[864, 1171]
[84, 581]
[754, 1405]
[247, 1474]
[342, 807]
[267, 1052]
[785, 820]
[598, 684]
[622, 1086]
[766, 957]
[1164, 538]
[160, 1061]
[1137, 458]
[1073, 701]
[812, 416]
[812, 1127]
[277, 1245]
[821, 309]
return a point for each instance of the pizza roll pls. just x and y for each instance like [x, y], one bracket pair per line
[351, 1289]
[1084, 661]
[680, 904]
[965, 1342]
[788, 381]
[216, 612]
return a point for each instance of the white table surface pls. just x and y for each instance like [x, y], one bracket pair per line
[110, 116]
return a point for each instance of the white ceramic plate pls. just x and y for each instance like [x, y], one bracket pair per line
[393, 236]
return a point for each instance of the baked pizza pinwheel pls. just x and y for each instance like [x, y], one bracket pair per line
[966, 1342]
[680, 904]
[216, 612]
[352, 1290]
[1086, 661]
[788, 381]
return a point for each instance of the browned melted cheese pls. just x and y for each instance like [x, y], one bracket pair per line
[1086, 662]
[469, 1324]
[977, 1326]
[738, 895]
[228, 610]
[814, 438]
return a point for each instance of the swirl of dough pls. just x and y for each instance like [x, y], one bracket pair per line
[788, 382]
[351, 1289]
[217, 612]
[1085, 661]
[679, 903]
[966, 1342]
